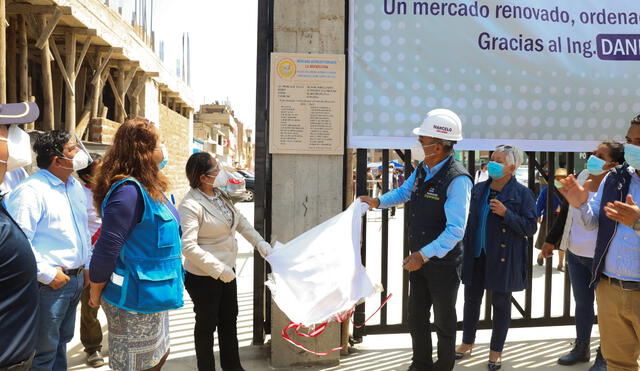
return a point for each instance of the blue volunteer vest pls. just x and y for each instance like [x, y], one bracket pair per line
[148, 276]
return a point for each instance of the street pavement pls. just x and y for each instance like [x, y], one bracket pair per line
[528, 348]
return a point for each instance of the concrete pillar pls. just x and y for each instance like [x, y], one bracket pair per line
[307, 189]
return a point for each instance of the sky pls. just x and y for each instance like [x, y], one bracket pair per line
[223, 48]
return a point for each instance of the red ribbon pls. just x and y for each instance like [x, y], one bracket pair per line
[316, 331]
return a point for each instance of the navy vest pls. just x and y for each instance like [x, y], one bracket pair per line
[616, 188]
[428, 219]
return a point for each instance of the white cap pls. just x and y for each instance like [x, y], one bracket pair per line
[441, 123]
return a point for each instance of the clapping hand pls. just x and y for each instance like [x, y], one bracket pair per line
[624, 213]
[573, 192]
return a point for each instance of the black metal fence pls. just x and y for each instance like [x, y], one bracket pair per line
[535, 170]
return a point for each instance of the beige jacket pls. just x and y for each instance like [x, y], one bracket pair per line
[208, 243]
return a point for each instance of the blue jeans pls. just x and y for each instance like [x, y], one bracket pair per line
[500, 301]
[580, 274]
[57, 322]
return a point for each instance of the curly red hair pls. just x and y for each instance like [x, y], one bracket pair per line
[131, 155]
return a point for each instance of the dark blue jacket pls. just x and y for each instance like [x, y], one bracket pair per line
[616, 188]
[507, 238]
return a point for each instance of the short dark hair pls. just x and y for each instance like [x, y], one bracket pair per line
[636, 120]
[483, 165]
[49, 144]
[616, 150]
[87, 171]
[197, 165]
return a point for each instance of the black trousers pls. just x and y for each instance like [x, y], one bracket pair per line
[215, 304]
[433, 286]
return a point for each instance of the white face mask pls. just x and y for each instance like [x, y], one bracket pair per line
[417, 151]
[19, 146]
[81, 160]
[221, 179]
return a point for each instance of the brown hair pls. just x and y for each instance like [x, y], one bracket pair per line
[131, 155]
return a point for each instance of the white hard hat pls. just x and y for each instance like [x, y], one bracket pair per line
[441, 123]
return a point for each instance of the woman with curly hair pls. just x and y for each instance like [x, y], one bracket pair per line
[136, 268]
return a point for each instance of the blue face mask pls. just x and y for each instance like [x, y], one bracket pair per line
[165, 157]
[496, 170]
[595, 165]
[632, 155]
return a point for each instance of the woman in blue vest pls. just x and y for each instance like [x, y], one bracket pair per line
[136, 267]
[501, 220]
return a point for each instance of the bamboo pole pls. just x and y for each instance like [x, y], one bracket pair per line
[12, 52]
[24, 61]
[70, 65]
[3, 52]
[47, 83]
[121, 93]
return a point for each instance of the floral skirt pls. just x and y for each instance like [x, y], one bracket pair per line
[137, 341]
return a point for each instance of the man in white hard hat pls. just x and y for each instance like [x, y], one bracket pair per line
[440, 191]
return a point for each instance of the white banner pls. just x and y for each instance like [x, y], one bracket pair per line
[541, 74]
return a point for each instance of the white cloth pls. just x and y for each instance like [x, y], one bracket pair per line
[481, 176]
[95, 222]
[319, 274]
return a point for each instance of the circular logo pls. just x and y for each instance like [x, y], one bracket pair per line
[286, 68]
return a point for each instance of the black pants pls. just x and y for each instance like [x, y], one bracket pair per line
[215, 304]
[500, 301]
[437, 286]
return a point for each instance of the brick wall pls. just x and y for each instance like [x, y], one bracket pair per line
[174, 130]
[102, 130]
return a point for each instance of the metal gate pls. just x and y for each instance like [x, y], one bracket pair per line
[525, 309]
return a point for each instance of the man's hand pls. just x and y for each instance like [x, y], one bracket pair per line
[95, 293]
[547, 250]
[413, 262]
[59, 280]
[498, 207]
[624, 213]
[573, 192]
[373, 202]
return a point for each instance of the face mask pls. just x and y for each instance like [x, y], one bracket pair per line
[632, 155]
[595, 165]
[496, 170]
[221, 179]
[19, 147]
[557, 184]
[165, 157]
[417, 151]
[212, 170]
[81, 160]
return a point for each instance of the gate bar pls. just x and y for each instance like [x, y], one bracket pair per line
[361, 189]
[385, 237]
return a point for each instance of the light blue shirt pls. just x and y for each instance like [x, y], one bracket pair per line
[53, 215]
[623, 258]
[456, 208]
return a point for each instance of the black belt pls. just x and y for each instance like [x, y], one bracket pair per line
[625, 285]
[73, 272]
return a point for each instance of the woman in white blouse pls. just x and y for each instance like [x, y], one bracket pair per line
[209, 223]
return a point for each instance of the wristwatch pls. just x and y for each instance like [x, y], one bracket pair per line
[424, 257]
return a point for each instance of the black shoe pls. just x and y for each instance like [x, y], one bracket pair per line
[413, 367]
[493, 366]
[579, 353]
[600, 364]
[95, 360]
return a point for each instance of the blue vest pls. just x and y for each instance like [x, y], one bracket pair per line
[616, 188]
[148, 276]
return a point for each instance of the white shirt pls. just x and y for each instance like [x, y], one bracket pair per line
[95, 222]
[53, 216]
[481, 176]
[12, 179]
